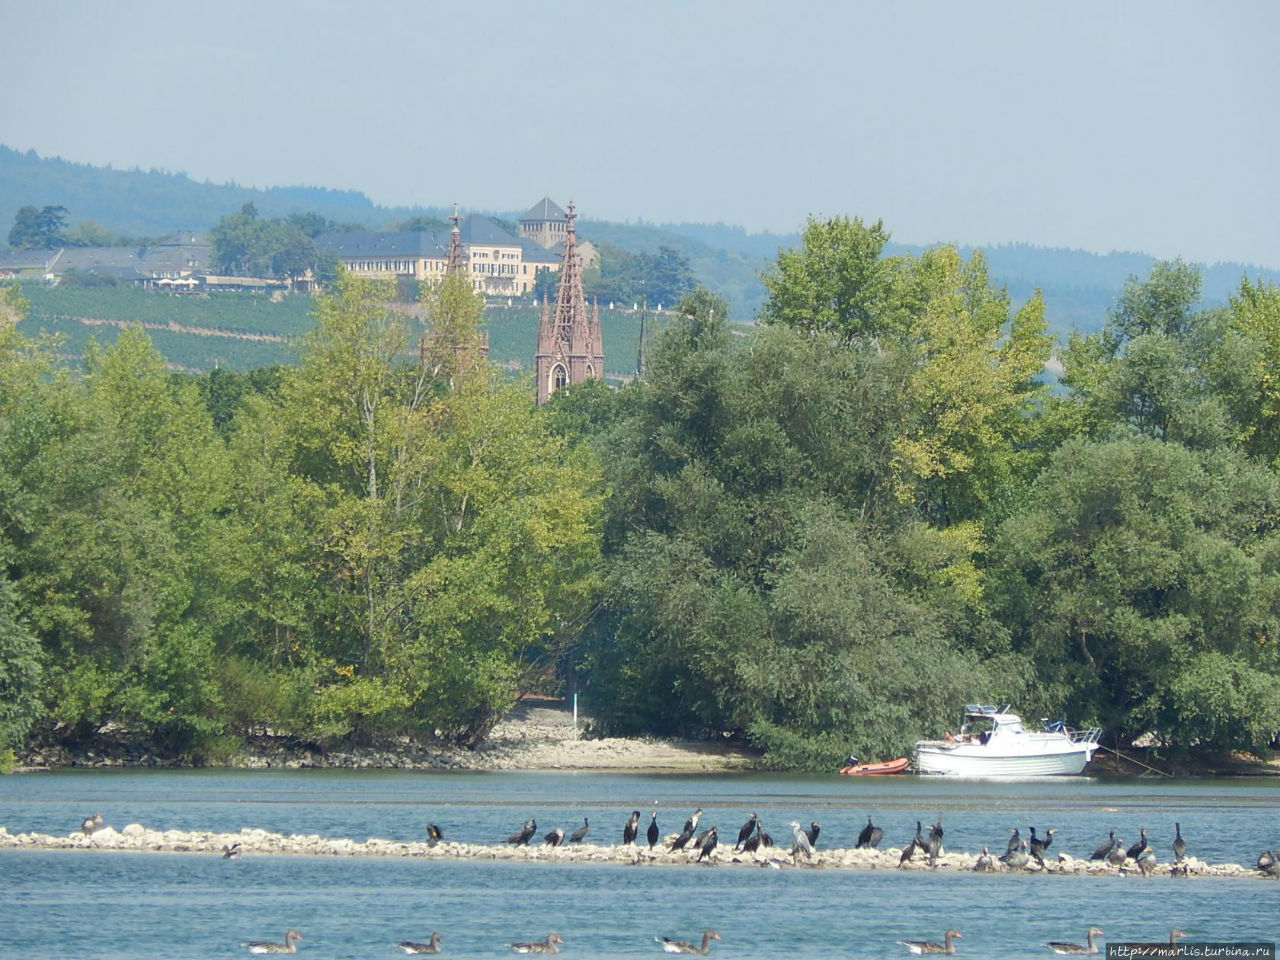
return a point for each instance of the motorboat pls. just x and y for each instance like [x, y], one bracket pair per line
[993, 742]
[856, 769]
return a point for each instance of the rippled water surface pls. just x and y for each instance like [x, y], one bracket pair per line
[136, 905]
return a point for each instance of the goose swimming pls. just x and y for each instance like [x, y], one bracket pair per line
[270, 946]
[919, 947]
[1076, 949]
[538, 946]
[431, 946]
[681, 946]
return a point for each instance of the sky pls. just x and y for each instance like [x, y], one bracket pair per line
[1140, 126]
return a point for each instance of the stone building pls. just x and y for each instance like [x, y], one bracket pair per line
[570, 343]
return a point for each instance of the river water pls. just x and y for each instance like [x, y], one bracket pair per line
[98, 904]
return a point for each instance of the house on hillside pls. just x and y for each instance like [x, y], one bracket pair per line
[497, 263]
[547, 225]
[172, 264]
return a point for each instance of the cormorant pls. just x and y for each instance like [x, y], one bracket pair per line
[431, 946]
[1136, 849]
[1016, 859]
[708, 846]
[766, 838]
[434, 834]
[1015, 841]
[91, 824]
[1105, 849]
[1066, 949]
[680, 946]
[702, 838]
[1179, 845]
[525, 833]
[270, 946]
[653, 833]
[632, 828]
[1039, 845]
[800, 842]
[1268, 864]
[752, 843]
[691, 824]
[985, 863]
[919, 947]
[935, 841]
[917, 843]
[232, 852]
[748, 828]
[554, 838]
[870, 836]
[577, 835]
[538, 946]
[812, 833]
[685, 835]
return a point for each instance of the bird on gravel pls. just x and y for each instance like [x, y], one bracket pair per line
[747, 830]
[801, 842]
[525, 833]
[631, 829]
[653, 834]
[577, 835]
[870, 836]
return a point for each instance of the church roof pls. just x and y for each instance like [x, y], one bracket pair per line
[534, 252]
[544, 209]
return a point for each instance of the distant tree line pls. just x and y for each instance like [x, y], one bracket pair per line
[822, 536]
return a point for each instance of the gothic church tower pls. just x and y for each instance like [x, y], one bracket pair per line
[570, 344]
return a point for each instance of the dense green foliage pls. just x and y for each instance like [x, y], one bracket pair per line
[354, 547]
[821, 535]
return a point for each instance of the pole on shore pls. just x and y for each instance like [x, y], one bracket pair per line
[575, 713]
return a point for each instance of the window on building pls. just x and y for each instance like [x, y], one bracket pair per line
[559, 377]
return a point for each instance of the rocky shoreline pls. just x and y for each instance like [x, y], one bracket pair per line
[534, 735]
[253, 842]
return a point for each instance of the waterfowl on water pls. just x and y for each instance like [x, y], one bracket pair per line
[681, 946]
[1076, 949]
[270, 946]
[434, 834]
[577, 835]
[1133, 851]
[232, 852]
[525, 833]
[985, 863]
[919, 947]
[870, 836]
[632, 828]
[412, 946]
[554, 838]
[1179, 845]
[538, 946]
[747, 830]
[800, 842]
[1105, 849]
[653, 834]
[708, 846]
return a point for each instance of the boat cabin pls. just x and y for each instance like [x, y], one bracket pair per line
[981, 722]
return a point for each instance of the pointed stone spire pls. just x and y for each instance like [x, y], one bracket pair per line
[570, 345]
[456, 261]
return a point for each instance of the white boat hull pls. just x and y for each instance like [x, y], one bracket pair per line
[1048, 759]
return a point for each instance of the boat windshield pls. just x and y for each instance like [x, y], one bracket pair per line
[974, 726]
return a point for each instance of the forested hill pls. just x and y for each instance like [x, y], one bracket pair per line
[1079, 287]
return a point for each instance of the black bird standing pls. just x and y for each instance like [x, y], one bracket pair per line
[524, 833]
[1135, 850]
[1016, 858]
[702, 837]
[1040, 844]
[653, 834]
[935, 841]
[1179, 845]
[685, 836]
[691, 824]
[631, 829]
[434, 834]
[766, 839]
[709, 845]
[812, 833]
[1015, 841]
[1105, 849]
[870, 836]
[917, 842]
[577, 835]
[748, 828]
[554, 838]
[752, 843]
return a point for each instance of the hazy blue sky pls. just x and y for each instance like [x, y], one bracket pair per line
[1136, 126]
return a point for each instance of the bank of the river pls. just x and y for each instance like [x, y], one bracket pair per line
[535, 735]
[137, 838]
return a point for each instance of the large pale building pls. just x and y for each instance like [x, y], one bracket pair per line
[497, 263]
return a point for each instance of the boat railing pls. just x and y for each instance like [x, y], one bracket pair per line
[1087, 735]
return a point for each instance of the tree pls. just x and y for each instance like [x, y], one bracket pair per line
[20, 675]
[244, 245]
[40, 229]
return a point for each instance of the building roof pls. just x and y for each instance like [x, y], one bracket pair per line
[146, 261]
[367, 243]
[480, 231]
[534, 252]
[544, 209]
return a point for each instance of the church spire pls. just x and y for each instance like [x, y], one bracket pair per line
[455, 262]
[570, 344]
